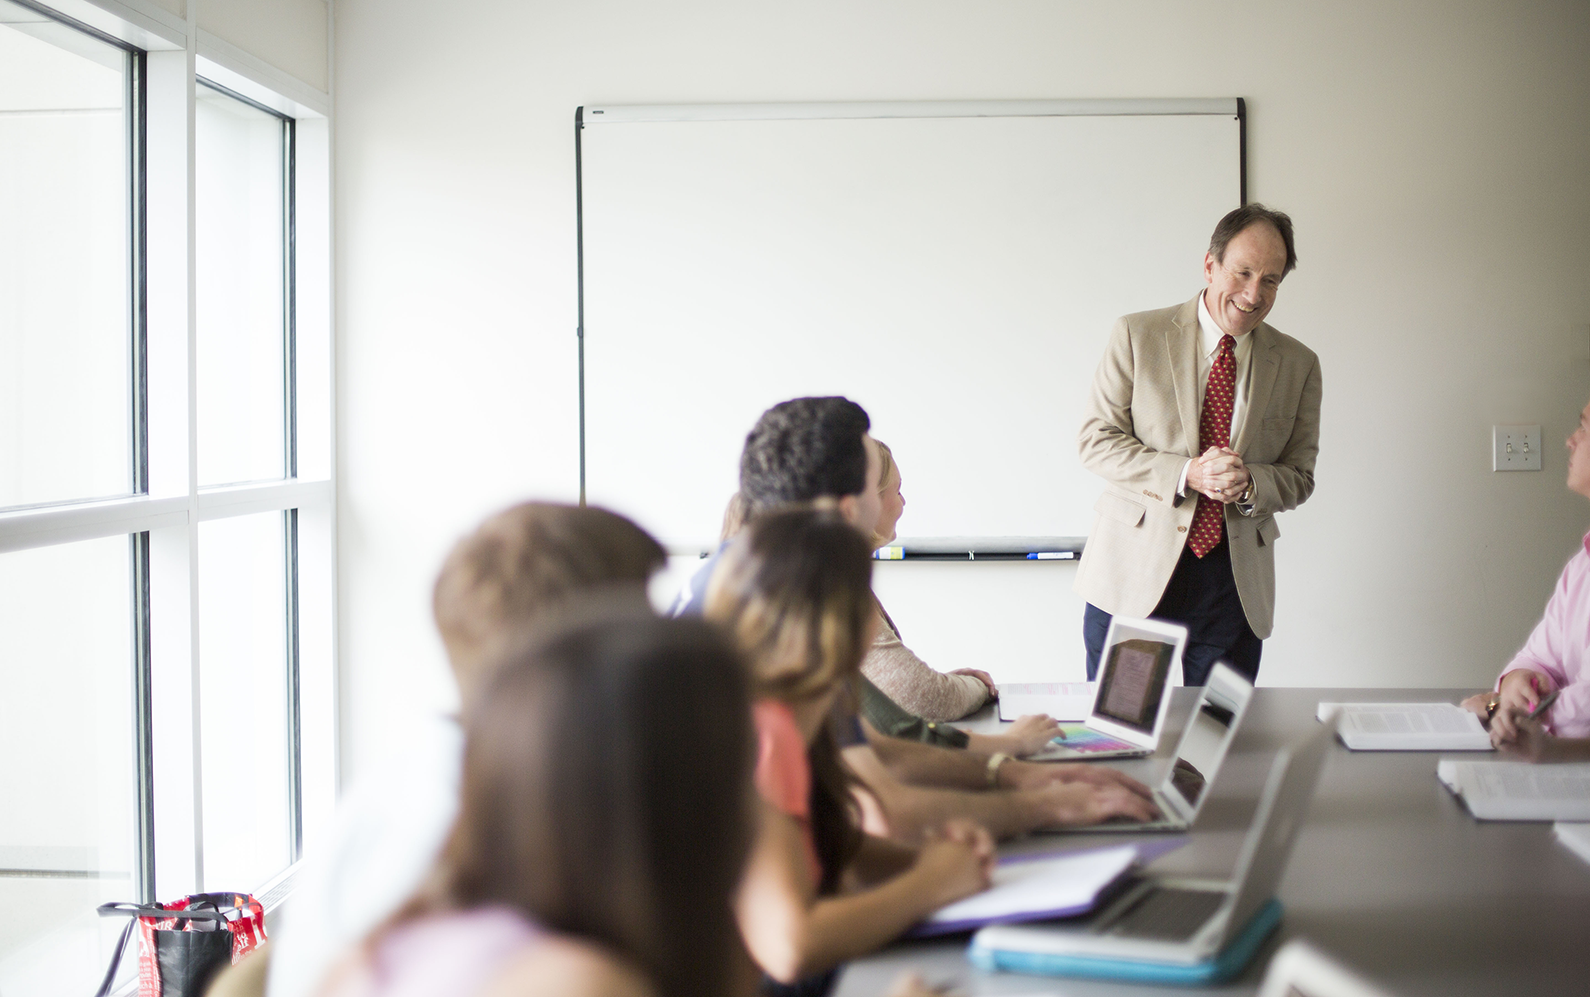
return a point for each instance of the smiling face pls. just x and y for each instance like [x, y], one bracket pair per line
[1579, 456]
[1242, 286]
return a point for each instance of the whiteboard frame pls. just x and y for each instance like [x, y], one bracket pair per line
[604, 114]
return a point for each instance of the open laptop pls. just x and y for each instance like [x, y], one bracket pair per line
[1130, 697]
[1204, 742]
[1178, 920]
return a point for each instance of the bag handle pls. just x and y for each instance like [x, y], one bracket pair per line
[134, 912]
[155, 910]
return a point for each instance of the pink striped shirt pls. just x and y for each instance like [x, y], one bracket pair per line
[1560, 648]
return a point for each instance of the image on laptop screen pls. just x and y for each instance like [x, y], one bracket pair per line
[1133, 680]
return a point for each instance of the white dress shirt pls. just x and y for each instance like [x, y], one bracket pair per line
[1209, 339]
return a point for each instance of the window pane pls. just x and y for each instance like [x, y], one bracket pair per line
[67, 834]
[242, 332]
[243, 700]
[64, 369]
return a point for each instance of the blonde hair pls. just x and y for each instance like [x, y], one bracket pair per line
[795, 591]
[885, 468]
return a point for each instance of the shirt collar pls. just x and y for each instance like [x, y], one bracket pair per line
[1587, 543]
[1210, 333]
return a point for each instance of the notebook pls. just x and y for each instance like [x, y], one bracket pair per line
[1408, 727]
[1210, 729]
[1175, 929]
[1035, 888]
[1130, 697]
[1519, 790]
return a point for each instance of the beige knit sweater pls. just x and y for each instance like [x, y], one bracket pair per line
[915, 685]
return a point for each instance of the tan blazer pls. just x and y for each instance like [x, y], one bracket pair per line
[1142, 426]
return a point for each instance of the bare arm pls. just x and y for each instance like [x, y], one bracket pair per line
[792, 933]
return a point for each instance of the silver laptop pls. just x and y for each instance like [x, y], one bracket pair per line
[1131, 696]
[1203, 746]
[1186, 921]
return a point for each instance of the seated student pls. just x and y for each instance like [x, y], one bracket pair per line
[819, 450]
[794, 591]
[582, 866]
[1028, 735]
[519, 564]
[911, 682]
[1556, 658]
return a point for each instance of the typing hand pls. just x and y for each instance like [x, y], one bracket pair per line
[1077, 803]
[1030, 734]
[1098, 775]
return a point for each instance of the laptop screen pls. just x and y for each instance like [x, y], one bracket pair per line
[1132, 682]
[1210, 731]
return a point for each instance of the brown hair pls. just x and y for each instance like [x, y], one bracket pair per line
[523, 561]
[1249, 214]
[795, 591]
[607, 775]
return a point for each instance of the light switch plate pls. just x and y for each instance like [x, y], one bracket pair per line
[1515, 448]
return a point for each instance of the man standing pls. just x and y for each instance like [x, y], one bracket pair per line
[1204, 422]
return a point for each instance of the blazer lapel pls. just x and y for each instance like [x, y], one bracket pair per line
[1262, 368]
[1181, 345]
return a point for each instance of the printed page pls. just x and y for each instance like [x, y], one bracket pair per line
[1520, 791]
[1409, 727]
[1061, 700]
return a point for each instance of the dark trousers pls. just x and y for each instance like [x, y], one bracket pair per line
[1202, 596]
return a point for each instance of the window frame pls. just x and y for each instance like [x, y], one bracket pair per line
[168, 58]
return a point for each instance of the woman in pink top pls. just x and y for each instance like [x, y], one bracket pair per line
[1555, 659]
[580, 864]
[794, 589]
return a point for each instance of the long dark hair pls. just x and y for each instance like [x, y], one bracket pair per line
[606, 795]
[795, 590]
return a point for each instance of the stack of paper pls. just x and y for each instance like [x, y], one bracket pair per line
[1576, 837]
[1520, 791]
[1408, 727]
[1061, 700]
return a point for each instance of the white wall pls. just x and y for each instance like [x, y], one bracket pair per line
[1433, 154]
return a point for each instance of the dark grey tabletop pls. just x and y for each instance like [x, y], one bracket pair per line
[1390, 874]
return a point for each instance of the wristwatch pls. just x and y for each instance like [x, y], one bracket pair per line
[995, 760]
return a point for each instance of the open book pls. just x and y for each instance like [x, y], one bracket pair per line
[1518, 790]
[1408, 727]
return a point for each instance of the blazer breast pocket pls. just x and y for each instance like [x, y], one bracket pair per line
[1122, 510]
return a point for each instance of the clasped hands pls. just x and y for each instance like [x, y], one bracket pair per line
[1220, 474]
[1512, 732]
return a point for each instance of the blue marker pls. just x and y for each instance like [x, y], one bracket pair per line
[1052, 555]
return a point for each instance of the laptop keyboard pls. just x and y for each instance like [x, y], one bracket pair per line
[1168, 914]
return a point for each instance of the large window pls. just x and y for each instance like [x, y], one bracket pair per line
[166, 514]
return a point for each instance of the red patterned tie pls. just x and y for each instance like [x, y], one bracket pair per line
[1214, 430]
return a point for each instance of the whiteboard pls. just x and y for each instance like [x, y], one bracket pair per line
[954, 268]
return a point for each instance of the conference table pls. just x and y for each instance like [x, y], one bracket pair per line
[1390, 874]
